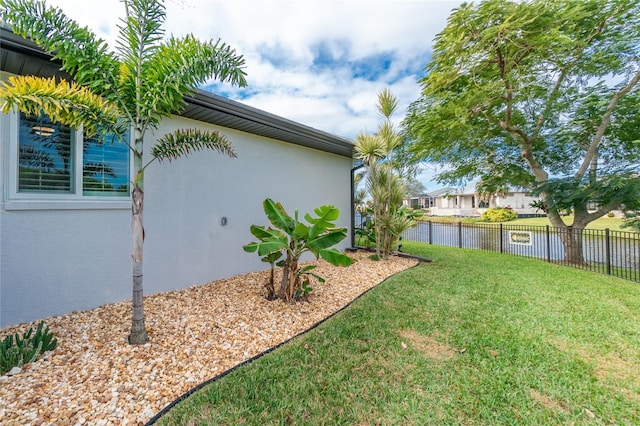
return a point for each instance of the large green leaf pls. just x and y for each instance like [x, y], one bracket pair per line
[327, 239]
[268, 247]
[272, 241]
[301, 231]
[251, 247]
[278, 216]
[335, 257]
[326, 213]
[261, 232]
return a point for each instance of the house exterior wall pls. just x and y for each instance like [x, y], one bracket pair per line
[519, 201]
[446, 205]
[58, 257]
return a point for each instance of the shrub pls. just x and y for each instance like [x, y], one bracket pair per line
[293, 238]
[499, 214]
[15, 351]
[611, 214]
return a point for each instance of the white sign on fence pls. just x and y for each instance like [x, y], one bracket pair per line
[522, 238]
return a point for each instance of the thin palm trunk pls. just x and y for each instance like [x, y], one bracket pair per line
[138, 333]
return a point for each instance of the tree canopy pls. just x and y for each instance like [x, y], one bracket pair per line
[541, 94]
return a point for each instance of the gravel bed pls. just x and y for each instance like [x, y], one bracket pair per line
[95, 378]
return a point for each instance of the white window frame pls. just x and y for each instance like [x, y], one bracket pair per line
[14, 200]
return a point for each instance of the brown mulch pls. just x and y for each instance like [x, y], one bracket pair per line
[94, 377]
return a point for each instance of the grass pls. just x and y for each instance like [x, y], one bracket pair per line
[614, 224]
[472, 338]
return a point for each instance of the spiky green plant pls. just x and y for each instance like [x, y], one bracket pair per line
[16, 350]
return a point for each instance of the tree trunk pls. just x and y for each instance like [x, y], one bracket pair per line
[572, 240]
[138, 334]
[571, 236]
[285, 278]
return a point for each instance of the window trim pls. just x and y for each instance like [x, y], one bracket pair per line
[14, 200]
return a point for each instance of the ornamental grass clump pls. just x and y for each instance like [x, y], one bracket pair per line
[16, 351]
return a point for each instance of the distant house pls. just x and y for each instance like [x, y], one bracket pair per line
[65, 233]
[466, 202]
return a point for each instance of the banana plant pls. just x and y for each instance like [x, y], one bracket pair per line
[291, 238]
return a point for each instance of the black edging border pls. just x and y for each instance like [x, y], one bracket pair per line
[193, 390]
[398, 253]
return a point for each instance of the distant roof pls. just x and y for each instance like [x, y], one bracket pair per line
[23, 57]
[440, 192]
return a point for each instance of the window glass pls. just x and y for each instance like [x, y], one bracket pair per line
[105, 166]
[45, 156]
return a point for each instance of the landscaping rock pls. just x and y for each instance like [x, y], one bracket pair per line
[95, 377]
[14, 371]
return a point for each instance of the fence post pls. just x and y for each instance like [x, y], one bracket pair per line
[501, 240]
[459, 234]
[548, 244]
[607, 247]
[430, 233]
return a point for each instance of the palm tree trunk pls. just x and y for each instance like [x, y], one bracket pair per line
[138, 334]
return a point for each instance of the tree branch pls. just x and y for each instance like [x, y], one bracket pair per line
[563, 73]
[604, 124]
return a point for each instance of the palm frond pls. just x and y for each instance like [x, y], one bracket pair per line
[388, 134]
[369, 148]
[140, 30]
[63, 102]
[181, 65]
[183, 142]
[387, 103]
[79, 50]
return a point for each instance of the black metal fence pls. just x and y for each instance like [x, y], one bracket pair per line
[609, 252]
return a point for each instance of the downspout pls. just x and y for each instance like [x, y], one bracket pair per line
[353, 207]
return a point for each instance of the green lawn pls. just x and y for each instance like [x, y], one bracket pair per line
[472, 338]
[614, 224]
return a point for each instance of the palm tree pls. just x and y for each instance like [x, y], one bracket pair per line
[385, 187]
[130, 89]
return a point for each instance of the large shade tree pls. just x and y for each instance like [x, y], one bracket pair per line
[124, 91]
[538, 94]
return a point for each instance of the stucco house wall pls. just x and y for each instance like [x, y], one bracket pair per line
[59, 255]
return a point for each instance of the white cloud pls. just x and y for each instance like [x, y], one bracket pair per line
[328, 98]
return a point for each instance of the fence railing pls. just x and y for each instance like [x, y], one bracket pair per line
[609, 252]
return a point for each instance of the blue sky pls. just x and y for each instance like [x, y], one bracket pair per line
[318, 62]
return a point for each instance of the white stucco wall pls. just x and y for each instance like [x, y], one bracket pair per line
[54, 261]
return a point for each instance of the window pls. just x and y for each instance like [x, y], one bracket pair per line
[105, 166]
[44, 156]
[56, 162]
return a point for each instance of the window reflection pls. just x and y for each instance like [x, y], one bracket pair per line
[105, 166]
[44, 156]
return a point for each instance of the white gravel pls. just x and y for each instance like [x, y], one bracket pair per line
[95, 378]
